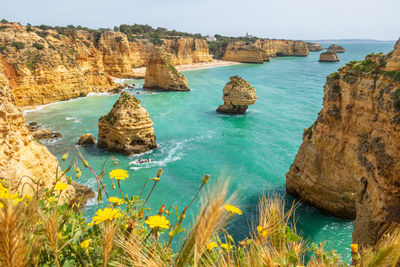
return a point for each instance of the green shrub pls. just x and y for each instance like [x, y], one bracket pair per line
[42, 34]
[18, 45]
[334, 75]
[350, 78]
[38, 46]
[3, 48]
[396, 99]
[394, 75]
[365, 66]
[4, 21]
[118, 39]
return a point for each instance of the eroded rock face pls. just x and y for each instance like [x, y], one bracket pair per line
[261, 50]
[161, 74]
[45, 66]
[244, 52]
[348, 163]
[314, 47]
[127, 128]
[334, 48]
[237, 96]
[20, 155]
[328, 57]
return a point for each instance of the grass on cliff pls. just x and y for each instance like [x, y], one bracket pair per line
[43, 228]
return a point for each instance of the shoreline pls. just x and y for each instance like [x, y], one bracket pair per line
[140, 72]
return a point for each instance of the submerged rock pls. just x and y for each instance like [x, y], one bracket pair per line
[328, 57]
[334, 48]
[41, 133]
[86, 139]
[161, 74]
[127, 128]
[237, 95]
[349, 161]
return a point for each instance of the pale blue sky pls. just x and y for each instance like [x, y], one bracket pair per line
[291, 19]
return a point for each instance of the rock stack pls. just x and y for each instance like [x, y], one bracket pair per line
[328, 57]
[162, 75]
[237, 96]
[334, 48]
[314, 47]
[127, 128]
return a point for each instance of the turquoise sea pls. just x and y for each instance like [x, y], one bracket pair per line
[254, 151]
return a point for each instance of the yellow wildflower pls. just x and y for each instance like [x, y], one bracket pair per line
[105, 215]
[61, 186]
[262, 232]
[28, 197]
[116, 201]
[59, 235]
[119, 174]
[85, 244]
[211, 246]
[233, 209]
[4, 192]
[157, 221]
[354, 248]
[1, 205]
[226, 246]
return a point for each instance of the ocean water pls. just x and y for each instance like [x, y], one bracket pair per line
[253, 151]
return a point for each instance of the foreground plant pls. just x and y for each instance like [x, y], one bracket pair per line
[44, 228]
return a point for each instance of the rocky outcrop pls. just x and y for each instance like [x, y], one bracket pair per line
[237, 96]
[86, 140]
[39, 132]
[348, 163]
[45, 66]
[334, 48]
[261, 50]
[244, 52]
[127, 128]
[314, 47]
[21, 156]
[328, 57]
[162, 75]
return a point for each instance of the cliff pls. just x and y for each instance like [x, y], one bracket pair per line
[328, 57]
[244, 52]
[261, 50]
[314, 47]
[127, 128]
[237, 96]
[161, 74]
[348, 163]
[20, 155]
[45, 66]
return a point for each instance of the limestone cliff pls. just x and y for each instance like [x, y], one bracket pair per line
[328, 57]
[348, 163]
[334, 48]
[244, 52]
[44, 65]
[20, 155]
[127, 128]
[237, 96]
[314, 47]
[161, 74]
[261, 50]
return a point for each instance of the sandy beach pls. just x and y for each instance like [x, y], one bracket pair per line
[140, 72]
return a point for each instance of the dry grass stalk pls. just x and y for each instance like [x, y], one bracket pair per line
[108, 240]
[212, 217]
[13, 250]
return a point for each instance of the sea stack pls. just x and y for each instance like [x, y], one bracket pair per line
[127, 128]
[349, 161]
[237, 96]
[314, 47]
[334, 48]
[162, 75]
[328, 57]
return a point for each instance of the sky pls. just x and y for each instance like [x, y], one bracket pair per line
[286, 19]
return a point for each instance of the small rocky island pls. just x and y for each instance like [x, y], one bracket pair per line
[127, 128]
[237, 96]
[334, 48]
[328, 57]
[162, 75]
[314, 47]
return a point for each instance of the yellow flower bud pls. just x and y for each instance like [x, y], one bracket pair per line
[85, 163]
[65, 156]
[159, 173]
[205, 178]
[78, 175]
